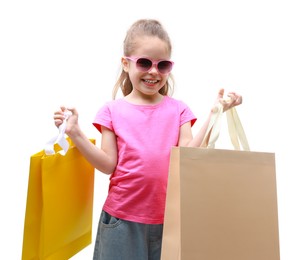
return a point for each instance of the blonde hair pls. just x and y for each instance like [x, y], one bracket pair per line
[143, 27]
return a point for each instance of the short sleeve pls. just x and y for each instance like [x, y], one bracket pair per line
[103, 118]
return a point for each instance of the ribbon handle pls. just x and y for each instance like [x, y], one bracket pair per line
[236, 131]
[59, 139]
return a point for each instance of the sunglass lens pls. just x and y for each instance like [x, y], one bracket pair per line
[144, 64]
[164, 66]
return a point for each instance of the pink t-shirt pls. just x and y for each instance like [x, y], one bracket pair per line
[145, 136]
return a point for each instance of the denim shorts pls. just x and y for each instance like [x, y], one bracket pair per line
[118, 239]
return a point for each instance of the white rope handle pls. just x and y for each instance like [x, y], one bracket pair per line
[59, 139]
[236, 131]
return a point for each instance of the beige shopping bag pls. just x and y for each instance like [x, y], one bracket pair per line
[221, 204]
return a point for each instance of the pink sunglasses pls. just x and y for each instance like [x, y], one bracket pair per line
[145, 64]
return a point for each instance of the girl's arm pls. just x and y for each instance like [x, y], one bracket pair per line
[103, 159]
[186, 138]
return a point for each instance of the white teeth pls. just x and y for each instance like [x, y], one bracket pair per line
[150, 81]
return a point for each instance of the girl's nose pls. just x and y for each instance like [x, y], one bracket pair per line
[153, 69]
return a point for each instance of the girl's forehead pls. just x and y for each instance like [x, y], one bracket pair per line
[151, 46]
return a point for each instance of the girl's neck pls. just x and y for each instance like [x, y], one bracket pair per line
[144, 99]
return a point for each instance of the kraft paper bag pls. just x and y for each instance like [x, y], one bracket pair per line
[221, 204]
[58, 217]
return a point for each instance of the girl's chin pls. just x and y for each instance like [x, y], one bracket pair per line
[150, 89]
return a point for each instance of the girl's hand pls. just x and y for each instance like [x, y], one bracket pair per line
[72, 121]
[233, 100]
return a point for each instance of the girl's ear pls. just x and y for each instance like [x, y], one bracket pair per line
[125, 64]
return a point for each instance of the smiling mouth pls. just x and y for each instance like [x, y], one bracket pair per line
[150, 81]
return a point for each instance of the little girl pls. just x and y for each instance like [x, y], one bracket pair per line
[138, 132]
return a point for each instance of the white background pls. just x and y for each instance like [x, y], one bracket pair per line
[68, 52]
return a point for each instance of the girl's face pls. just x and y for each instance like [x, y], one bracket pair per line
[150, 82]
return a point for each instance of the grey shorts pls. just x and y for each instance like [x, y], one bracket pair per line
[124, 240]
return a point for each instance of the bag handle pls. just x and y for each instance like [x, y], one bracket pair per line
[59, 139]
[235, 128]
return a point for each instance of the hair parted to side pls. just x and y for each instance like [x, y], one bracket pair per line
[142, 27]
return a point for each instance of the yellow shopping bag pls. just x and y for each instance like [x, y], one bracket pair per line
[58, 218]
